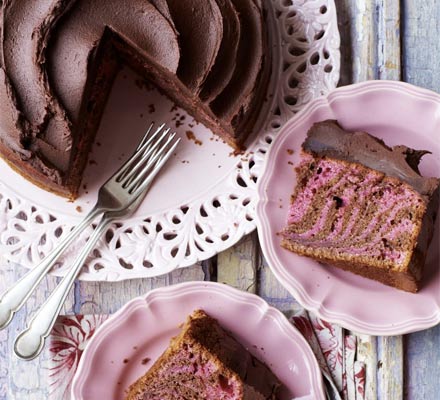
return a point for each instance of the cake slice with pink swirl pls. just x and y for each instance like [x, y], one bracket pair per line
[362, 206]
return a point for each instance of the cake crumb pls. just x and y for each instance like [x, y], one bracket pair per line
[141, 115]
[290, 162]
[178, 123]
[151, 108]
[235, 153]
[143, 84]
[173, 108]
[98, 144]
[190, 135]
[92, 162]
[135, 347]
[78, 208]
[145, 360]
[290, 151]
[126, 360]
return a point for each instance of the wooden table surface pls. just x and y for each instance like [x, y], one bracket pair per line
[380, 39]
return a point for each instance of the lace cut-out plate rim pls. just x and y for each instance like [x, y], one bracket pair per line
[403, 114]
[197, 223]
[146, 333]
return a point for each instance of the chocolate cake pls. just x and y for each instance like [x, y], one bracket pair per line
[362, 206]
[205, 363]
[59, 59]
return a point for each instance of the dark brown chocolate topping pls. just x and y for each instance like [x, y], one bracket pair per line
[51, 52]
[200, 42]
[224, 67]
[77, 36]
[328, 138]
[235, 100]
[32, 27]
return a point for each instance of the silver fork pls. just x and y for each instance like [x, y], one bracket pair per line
[115, 195]
[30, 342]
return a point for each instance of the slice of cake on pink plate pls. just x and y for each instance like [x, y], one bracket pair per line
[362, 206]
[204, 362]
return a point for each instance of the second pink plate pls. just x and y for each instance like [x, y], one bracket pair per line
[398, 113]
[127, 344]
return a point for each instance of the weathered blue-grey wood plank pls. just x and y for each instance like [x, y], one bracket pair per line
[24, 380]
[421, 44]
[273, 292]
[422, 367]
[421, 66]
[237, 266]
[108, 297]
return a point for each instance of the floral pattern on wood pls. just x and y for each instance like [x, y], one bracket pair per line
[66, 345]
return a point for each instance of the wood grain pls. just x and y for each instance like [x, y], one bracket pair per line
[108, 297]
[421, 67]
[422, 364]
[367, 353]
[390, 367]
[421, 44]
[24, 380]
[237, 266]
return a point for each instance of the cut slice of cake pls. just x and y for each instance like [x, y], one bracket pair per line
[204, 362]
[362, 206]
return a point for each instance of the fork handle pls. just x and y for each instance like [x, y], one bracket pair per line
[30, 342]
[14, 298]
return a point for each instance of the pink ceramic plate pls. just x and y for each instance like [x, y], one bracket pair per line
[399, 114]
[127, 344]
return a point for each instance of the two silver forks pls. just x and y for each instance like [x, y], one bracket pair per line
[118, 197]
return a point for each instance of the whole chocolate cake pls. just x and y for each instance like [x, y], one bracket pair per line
[59, 59]
[204, 362]
[362, 206]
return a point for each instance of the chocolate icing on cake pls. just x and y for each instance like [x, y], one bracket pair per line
[225, 64]
[200, 42]
[234, 102]
[401, 162]
[58, 59]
